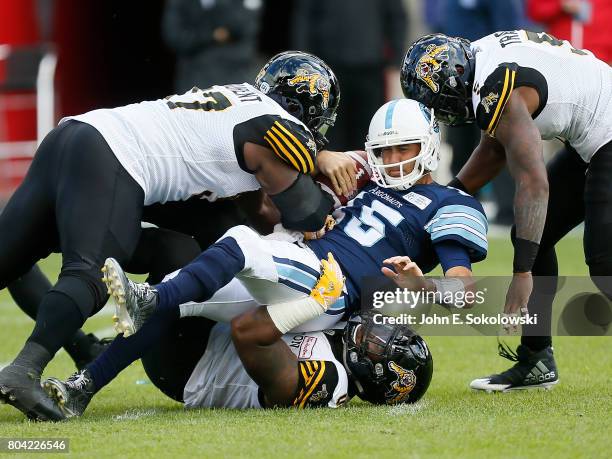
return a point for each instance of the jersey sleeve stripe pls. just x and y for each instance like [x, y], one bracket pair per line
[506, 91]
[296, 275]
[320, 374]
[465, 233]
[457, 217]
[459, 222]
[459, 211]
[287, 147]
[296, 264]
[462, 226]
[299, 144]
[281, 155]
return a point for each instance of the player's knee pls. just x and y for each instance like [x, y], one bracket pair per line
[242, 234]
[85, 287]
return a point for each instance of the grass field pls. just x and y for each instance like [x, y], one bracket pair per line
[130, 418]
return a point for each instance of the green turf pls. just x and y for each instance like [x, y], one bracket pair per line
[131, 419]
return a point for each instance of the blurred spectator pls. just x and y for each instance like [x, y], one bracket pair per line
[215, 40]
[585, 23]
[362, 41]
[473, 19]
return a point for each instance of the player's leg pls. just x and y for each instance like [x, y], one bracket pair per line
[28, 292]
[193, 217]
[159, 251]
[170, 363]
[273, 272]
[97, 210]
[598, 219]
[535, 365]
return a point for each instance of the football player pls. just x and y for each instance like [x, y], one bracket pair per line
[401, 218]
[249, 364]
[521, 87]
[92, 175]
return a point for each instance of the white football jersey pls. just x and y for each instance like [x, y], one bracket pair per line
[219, 380]
[191, 144]
[575, 87]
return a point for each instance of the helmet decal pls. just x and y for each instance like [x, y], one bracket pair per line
[313, 83]
[429, 65]
[402, 386]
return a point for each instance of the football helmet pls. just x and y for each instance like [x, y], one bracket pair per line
[438, 71]
[389, 364]
[305, 87]
[401, 122]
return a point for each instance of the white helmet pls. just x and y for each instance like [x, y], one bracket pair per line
[400, 122]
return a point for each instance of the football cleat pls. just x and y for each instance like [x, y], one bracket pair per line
[21, 388]
[90, 348]
[73, 395]
[532, 370]
[134, 302]
[330, 283]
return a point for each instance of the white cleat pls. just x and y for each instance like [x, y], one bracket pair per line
[122, 322]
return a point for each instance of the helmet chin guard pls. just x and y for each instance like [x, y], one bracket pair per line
[403, 122]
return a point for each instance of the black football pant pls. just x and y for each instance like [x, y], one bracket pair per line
[170, 363]
[79, 200]
[577, 192]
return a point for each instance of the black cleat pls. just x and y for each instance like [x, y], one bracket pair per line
[20, 387]
[73, 395]
[532, 370]
[89, 350]
[134, 302]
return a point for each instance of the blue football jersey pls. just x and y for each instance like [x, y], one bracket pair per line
[380, 223]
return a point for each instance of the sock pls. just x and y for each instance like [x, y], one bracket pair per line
[33, 356]
[123, 351]
[200, 279]
[536, 343]
[58, 319]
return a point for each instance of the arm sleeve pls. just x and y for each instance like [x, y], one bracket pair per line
[494, 96]
[317, 381]
[497, 89]
[452, 253]
[292, 142]
[462, 220]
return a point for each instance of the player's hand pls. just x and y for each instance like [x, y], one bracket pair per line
[405, 273]
[330, 222]
[330, 283]
[518, 296]
[340, 169]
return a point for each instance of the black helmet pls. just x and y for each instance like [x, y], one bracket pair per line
[438, 71]
[305, 86]
[389, 364]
